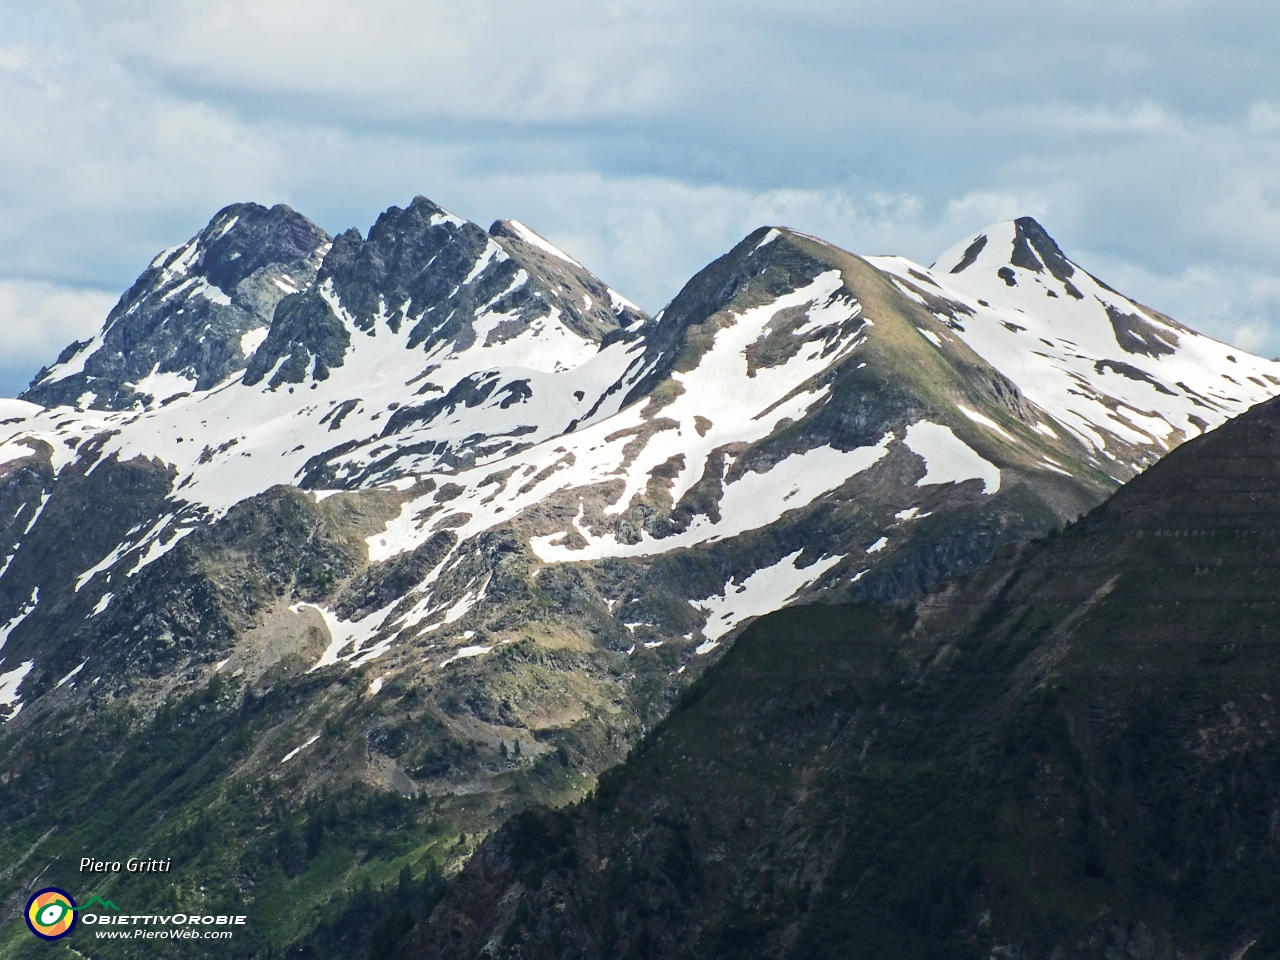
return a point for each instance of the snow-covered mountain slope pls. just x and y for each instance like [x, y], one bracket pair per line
[428, 346]
[1126, 381]
[443, 486]
[786, 378]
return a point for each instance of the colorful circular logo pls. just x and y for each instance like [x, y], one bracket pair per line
[51, 913]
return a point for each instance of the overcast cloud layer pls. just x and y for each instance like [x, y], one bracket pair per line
[647, 138]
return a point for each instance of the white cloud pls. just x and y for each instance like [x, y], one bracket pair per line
[1253, 338]
[646, 138]
[1264, 118]
[510, 61]
[1145, 119]
[94, 158]
[38, 319]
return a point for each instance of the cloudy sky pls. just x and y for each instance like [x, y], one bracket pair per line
[646, 138]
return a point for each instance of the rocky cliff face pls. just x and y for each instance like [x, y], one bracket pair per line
[450, 521]
[1069, 754]
[194, 316]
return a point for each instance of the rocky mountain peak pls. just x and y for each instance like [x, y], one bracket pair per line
[193, 317]
[246, 237]
[517, 231]
[766, 264]
[442, 278]
[1033, 247]
[1022, 243]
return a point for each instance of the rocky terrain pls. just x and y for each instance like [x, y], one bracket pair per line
[328, 554]
[1071, 753]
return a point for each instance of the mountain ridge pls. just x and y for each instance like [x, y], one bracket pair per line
[473, 499]
[1067, 753]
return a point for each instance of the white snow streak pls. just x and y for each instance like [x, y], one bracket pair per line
[531, 238]
[69, 676]
[27, 609]
[296, 750]
[764, 591]
[9, 683]
[948, 459]
[466, 652]
[103, 602]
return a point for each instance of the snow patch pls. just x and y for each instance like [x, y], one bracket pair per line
[1055, 467]
[296, 750]
[491, 253]
[1046, 430]
[162, 386]
[947, 458]
[755, 500]
[156, 549]
[985, 421]
[768, 238]
[22, 614]
[355, 632]
[69, 676]
[465, 653]
[226, 227]
[9, 683]
[251, 340]
[766, 590]
[17, 450]
[618, 303]
[531, 238]
[211, 293]
[106, 563]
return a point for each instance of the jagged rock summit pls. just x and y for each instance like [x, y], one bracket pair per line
[195, 315]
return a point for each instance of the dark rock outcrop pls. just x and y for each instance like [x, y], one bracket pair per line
[188, 314]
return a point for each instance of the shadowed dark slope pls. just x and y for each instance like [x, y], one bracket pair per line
[1071, 754]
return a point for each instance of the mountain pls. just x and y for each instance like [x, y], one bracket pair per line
[448, 534]
[1071, 753]
[194, 316]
